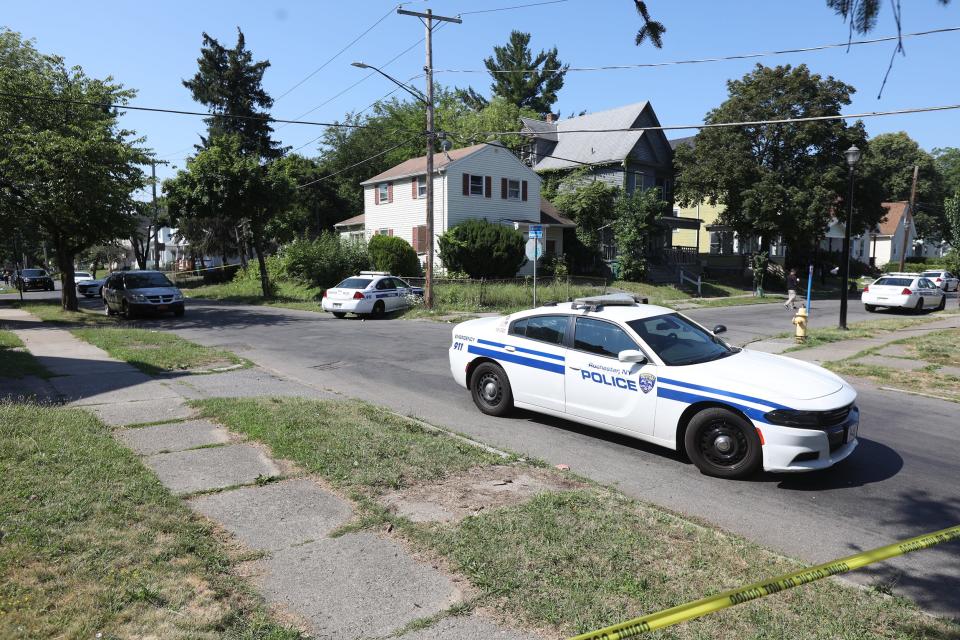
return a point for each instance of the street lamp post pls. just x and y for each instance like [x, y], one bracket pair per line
[853, 157]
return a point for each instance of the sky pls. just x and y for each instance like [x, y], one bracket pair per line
[152, 47]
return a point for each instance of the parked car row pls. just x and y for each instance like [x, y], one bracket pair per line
[904, 291]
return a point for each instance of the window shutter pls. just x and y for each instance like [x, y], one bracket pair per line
[503, 188]
[415, 183]
[487, 186]
[416, 239]
[390, 193]
[523, 190]
[376, 194]
[466, 184]
[389, 232]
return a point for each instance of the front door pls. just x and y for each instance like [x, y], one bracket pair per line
[600, 387]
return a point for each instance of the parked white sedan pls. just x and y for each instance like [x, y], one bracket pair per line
[372, 293]
[943, 279]
[653, 374]
[903, 291]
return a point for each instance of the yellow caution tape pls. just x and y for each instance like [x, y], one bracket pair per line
[702, 607]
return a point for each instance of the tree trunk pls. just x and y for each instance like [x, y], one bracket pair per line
[241, 248]
[264, 277]
[68, 292]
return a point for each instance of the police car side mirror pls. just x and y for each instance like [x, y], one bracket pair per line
[632, 355]
[720, 328]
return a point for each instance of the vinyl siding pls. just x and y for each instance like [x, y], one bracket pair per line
[405, 212]
[497, 163]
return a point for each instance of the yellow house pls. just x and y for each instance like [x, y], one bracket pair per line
[700, 237]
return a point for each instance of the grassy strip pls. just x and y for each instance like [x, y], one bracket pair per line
[53, 313]
[15, 361]
[865, 329]
[352, 444]
[922, 381]
[93, 544]
[938, 347]
[156, 352]
[290, 295]
[575, 560]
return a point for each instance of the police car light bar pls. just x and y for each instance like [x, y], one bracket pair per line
[596, 303]
[374, 273]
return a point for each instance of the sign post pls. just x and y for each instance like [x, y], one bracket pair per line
[809, 286]
[533, 247]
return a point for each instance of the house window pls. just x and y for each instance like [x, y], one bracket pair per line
[513, 189]
[356, 237]
[551, 247]
[422, 187]
[383, 232]
[665, 188]
[721, 242]
[476, 185]
[383, 193]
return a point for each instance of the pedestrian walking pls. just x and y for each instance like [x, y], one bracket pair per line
[792, 283]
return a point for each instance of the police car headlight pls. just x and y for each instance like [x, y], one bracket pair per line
[794, 418]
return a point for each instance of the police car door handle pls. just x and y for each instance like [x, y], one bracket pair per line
[574, 368]
[510, 348]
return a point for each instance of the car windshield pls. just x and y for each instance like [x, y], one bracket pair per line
[33, 273]
[81, 274]
[894, 282]
[355, 283]
[679, 341]
[931, 274]
[146, 280]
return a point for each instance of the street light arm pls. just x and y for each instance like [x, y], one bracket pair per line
[412, 91]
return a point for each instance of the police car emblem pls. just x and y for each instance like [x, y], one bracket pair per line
[647, 380]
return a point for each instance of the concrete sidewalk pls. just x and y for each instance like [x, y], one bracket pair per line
[359, 585]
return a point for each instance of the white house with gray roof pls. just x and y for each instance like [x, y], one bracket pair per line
[485, 181]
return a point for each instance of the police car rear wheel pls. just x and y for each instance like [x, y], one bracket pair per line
[378, 309]
[722, 444]
[491, 390]
[339, 314]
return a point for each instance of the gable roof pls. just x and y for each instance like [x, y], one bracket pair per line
[549, 214]
[686, 141]
[349, 222]
[418, 166]
[895, 211]
[591, 147]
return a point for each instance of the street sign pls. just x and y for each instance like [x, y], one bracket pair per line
[536, 231]
[534, 249]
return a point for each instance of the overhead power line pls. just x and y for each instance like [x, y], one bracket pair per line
[357, 164]
[126, 107]
[742, 56]
[746, 123]
[518, 6]
[338, 53]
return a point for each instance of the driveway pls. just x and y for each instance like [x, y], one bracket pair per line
[900, 482]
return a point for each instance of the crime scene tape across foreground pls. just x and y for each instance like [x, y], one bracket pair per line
[702, 607]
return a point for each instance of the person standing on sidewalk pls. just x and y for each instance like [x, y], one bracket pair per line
[792, 283]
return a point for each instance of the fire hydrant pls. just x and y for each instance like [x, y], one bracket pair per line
[800, 321]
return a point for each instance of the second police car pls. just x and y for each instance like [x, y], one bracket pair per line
[372, 293]
[651, 373]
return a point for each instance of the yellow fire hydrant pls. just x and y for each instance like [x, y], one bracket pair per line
[800, 321]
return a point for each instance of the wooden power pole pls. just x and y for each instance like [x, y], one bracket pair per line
[427, 18]
[908, 217]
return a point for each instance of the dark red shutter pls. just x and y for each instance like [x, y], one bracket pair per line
[390, 193]
[376, 194]
[416, 239]
[466, 184]
[523, 190]
[503, 188]
[487, 186]
[415, 183]
[389, 232]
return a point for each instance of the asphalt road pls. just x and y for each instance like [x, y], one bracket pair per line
[902, 481]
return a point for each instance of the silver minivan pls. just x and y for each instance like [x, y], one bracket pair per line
[131, 292]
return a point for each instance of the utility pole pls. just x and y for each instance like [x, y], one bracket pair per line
[156, 216]
[427, 18]
[908, 217]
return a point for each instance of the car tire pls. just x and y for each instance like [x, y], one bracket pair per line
[919, 308]
[723, 444]
[490, 389]
[107, 310]
[943, 303]
[179, 313]
[870, 308]
[378, 309]
[339, 314]
[125, 312]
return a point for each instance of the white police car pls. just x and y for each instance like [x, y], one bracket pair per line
[372, 293]
[648, 372]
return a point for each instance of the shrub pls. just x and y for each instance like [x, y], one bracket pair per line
[393, 255]
[951, 261]
[483, 249]
[321, 262]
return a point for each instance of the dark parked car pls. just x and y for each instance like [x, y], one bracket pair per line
[131, 292]
[33, 279]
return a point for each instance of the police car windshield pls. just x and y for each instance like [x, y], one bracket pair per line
[355, 283]
[894, 282]
[678, 341]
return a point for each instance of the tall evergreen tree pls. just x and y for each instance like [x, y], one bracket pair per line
[526, 81]
[229, 81]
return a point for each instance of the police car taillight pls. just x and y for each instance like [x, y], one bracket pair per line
[358, 296]
[906, 291]
[865, 289]
[324, 293]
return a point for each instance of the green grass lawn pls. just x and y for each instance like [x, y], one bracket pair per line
[156, 352]
[564, 561]
[94, 546]
[15, 361]
[939, 347]
[53, 312]
[866, 329]
[291, 295]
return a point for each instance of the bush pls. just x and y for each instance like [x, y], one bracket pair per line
[393, 255]
[483, 249]
[951, 261]
[322, 262]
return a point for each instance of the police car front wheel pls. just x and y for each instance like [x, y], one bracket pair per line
[491, 390]
[723, 444]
